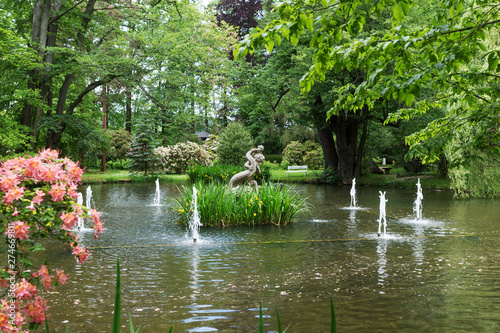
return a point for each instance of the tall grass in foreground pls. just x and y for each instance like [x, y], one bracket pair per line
[218, 206]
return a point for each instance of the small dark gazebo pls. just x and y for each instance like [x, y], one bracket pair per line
[203, 135]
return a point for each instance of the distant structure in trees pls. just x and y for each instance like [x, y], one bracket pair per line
[203, 135]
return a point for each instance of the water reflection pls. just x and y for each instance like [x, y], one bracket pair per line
[217, 284]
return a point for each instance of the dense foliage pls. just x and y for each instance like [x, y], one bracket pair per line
[433, 55]
[234, 142]
[72, 73]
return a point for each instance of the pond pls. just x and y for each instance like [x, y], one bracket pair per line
[441, 273]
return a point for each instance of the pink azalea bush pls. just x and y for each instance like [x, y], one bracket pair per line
[37, 200]
[179, 157]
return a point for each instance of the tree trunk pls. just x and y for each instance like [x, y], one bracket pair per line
[104, 122]
[128, 111]
[346, 132]
[362, 141]
[328, 144]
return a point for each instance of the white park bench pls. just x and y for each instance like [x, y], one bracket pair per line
[297, 168]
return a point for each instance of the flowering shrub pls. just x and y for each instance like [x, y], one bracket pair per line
[294, 153]
[210, 146]
[37, 200]
[178, 158]
[314, 159]
[119, 145]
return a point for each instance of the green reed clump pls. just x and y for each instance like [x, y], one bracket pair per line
[222, 173]
[218, 206]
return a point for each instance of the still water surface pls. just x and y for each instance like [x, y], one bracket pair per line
[441, 274]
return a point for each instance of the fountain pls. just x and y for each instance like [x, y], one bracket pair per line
[88, 200]
[80, 226]
[382, 213]
[79, 200]
[417, 208]
[353, 194]
[156, 201]
[194, 222]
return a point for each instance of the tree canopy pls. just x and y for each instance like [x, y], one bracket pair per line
[451, 62]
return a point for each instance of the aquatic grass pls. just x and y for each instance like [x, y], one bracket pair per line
[218, 206]
[115, 328]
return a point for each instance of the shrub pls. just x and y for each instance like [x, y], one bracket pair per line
[328, 176]
[119, 144]
[178, 158]
[218, 206]
[118, 165]
[210, 146]
[274, 157]
[314, 159]
[235, 142]
[141, 155]
[294, 153]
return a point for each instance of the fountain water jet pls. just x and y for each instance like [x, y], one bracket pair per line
[417, 208]
[80, 226]
[79, 200]
[156, 201]
[88, 200]
[382, 213]
[194, 221]
[353, 193]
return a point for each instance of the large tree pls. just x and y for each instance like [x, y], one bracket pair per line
[453, 54]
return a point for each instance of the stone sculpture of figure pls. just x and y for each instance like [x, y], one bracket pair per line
[252, 168]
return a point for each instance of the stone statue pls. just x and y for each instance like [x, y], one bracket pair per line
[252, 168]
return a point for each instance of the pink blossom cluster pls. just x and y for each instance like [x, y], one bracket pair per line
[179, 157]
[28, 305]
[37, 197]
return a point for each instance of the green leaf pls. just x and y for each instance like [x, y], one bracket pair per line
[439, 66]
[405, 6]
[270, 46]
[398, 13]
[333, 321]
[115, 328]
[409, 98]
[492, 61]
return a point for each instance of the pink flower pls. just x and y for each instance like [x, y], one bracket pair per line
[74, 171]
[57, 192]
[14, 193]
[69, 220]
[8, 181]
[25, 290]
[31, 206]
[48, 154]
[81, 253]
[33, 166]
[72, 191]
[16, 212]
[39, 197]
[45, 277]
[61, 277]
[21, 230]
[50, 173]
[36, 310]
